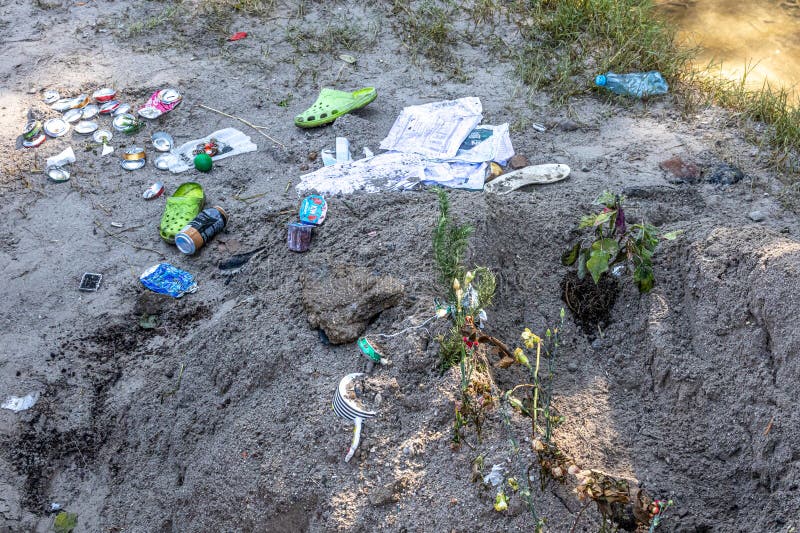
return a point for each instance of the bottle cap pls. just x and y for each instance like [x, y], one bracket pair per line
[600, 80]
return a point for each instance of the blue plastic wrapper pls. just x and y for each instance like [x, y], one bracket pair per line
[164, 278]
[313, 210]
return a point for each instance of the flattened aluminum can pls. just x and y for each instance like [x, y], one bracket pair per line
[153, 191]
[50, 97]
[85, 127]
[104, 95]
[163, 141]
[90, 111]
[63, 104]
[169, 96]
[134, 158]
[109, 107]
[160, 102]
[56, 127]
[102, 136]
[58, 174]
[132, 165]
[32, 130]
[73, 115]
[122, 109]
[36, 141]
[149, 112]
[126, 123]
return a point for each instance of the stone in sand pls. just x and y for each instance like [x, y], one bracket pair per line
[682, 172]
[343, 299]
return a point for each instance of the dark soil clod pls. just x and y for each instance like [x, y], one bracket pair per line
[589, 303]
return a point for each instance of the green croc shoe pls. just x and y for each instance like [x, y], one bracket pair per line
[181, 209]
[332, 104]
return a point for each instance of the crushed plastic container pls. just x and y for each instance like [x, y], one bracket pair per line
[637, 84]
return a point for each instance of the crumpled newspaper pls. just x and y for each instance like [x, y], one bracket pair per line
[435, 130]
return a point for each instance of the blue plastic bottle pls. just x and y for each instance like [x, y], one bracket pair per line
[639, 84]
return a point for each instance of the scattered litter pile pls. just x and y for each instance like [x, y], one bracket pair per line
[431, 144]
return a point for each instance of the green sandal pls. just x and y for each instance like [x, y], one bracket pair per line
[181, 209]
[332, 104]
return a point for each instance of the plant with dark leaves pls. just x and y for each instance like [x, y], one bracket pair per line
[615, 243]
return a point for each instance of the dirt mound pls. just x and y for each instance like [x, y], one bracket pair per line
[213, 412]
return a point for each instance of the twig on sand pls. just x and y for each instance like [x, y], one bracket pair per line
[125, 241]
[171, 392]
[575, 523]
[249, 199]
[257, 128]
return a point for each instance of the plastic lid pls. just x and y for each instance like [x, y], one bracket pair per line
[600, 80]
[184, 243]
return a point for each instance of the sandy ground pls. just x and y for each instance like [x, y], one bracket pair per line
[219, 418]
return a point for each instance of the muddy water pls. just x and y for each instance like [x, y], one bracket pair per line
[762, 36]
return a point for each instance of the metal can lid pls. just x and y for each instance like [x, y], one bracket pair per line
[104, 95]
[169, 96]
[185, 243]
[102, 136]
[122, 109]
[56, 127]
[90, 111]
[58, 174]
[85, 127]
[163, 141]
[51, 96]
[73, 115]
[36, 141]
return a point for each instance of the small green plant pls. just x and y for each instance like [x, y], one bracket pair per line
[450, 242]
[286, 101]
[149, 24]
[613, 242]
[338, 35]
[65, 522]
[468, 292]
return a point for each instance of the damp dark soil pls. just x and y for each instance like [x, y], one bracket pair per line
[590, 303]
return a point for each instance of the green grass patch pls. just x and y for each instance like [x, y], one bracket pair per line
[167, 16]
[339, 35]
[426, 29]
[568, 42]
